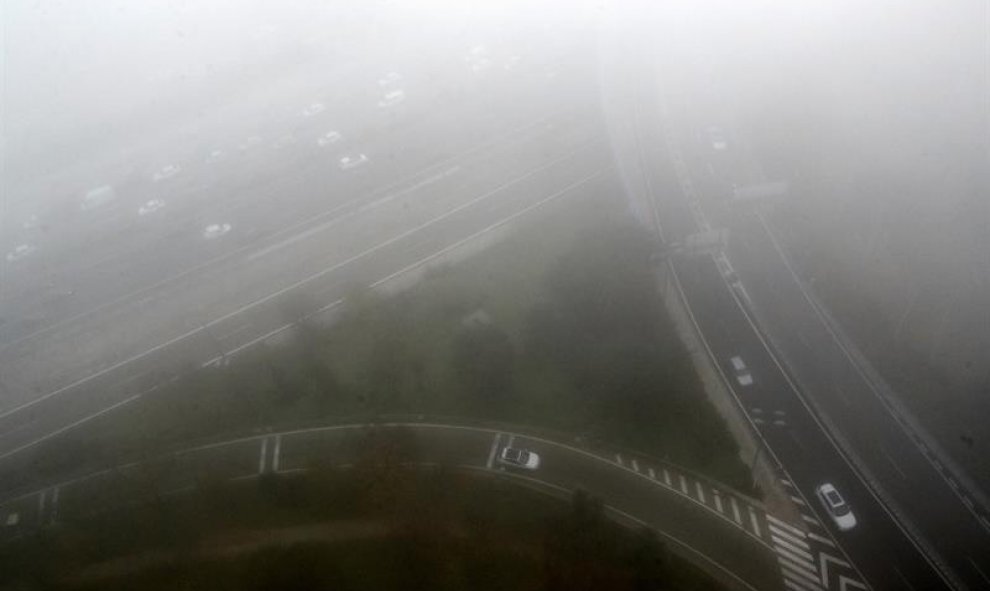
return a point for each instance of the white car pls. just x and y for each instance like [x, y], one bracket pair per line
[742, 373]
[392, 98]
[314, 109]
[330, 137]
[19, 252]
[166, 172]
[519, 458]
[215, 231]
[97, 197]
[350, 162]
[837, 507]
[151, 206]
[389, 79]
[717, 139]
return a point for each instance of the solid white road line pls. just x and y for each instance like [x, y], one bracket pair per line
[979, 570]
[295, 285]
[261, 457]
[493, 450]
[276, 454]
[642, 523]
[253, 342]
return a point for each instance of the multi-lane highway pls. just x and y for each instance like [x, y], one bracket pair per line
[888, 449]
[118, 301]
[818, 413]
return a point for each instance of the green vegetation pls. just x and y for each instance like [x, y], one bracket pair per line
[560, 327]
[378, 525]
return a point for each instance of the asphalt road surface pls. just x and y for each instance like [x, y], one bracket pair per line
[152, 295]
[818, 414]
[887, 449]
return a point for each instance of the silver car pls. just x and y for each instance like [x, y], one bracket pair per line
[352, 161]
[519, 458]
[837, 507]
[214, 231]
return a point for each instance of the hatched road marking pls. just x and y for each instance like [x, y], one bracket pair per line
[806, 562]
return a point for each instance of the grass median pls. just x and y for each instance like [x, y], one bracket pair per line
[560, 326]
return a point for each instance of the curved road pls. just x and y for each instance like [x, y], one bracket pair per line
[726, 533]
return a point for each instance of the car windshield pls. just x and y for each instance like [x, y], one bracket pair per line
[292, 288]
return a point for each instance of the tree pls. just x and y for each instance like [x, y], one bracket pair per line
[483, 360]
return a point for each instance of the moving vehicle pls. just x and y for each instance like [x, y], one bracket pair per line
[166, 172]
[519, 458]
[836, 506]
[215, 231]
[392, 98]
[96, 197]
[314, 109]
[330, 137]
[19, 252]
[354, 161]
[151, 206]
[389, 79]
[717, 138]
[742, 372]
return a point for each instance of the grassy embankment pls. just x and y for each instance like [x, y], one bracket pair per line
[569, 335]
[378, 525]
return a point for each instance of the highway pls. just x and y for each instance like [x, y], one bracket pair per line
[887, 447]
[112, 304]
[152, 297]
[722, 531]
[819, 415]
